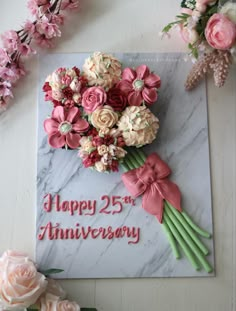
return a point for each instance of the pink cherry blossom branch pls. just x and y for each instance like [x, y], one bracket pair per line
[18, 45]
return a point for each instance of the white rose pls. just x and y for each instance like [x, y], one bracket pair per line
[55, 289]
[75, 85]
[229, 9]
[53, 303]
[20, 282]
[100, 167]
[77, 98]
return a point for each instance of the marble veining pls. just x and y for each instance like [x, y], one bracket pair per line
[182, 141]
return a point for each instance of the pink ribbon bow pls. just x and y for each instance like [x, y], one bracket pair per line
[150, 180]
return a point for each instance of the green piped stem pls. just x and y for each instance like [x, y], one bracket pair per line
[141, 154]
[197, 252]
[189, 230]
[171, 240]
[128, 163]
[200, 231]
[181, 242]
[124, 167]
[133, 160]
[136, 155]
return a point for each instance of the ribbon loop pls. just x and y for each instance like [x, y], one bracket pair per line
[150, 180]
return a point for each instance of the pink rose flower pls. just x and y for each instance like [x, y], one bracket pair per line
[20, 283]
[4, 57]
[53, 303]
[64, 127]
[220, 32]
[139, 85]
[93, 98]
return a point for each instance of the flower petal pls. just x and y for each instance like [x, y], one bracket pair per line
[135, 99]
[142, 72]
[125, 86]
[50, 126]
[58, 113]
[149, 95]
[153, 81]
[72, 140]
[80, 126]
[129, 74]
[56, 140]
[73, 114]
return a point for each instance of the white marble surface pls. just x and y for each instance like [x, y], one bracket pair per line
[182, 141]
[131, 26]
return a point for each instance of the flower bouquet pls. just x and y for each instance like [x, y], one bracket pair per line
[103, 112]
[23, 287]
[209, 29]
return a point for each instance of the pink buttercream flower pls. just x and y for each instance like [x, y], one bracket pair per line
[220, 32]
[64, 127]
[44, 27]
[7, 74]
[42, 41]
[93, 98]
[57, 19]
[4, 57]
[70, 4]
[10, 40]
[139, 85]
[33, 7]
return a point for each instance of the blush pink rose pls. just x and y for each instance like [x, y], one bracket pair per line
[220, 32]
[50, 302]
[20, 282]
[93, 98]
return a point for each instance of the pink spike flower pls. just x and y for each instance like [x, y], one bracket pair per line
[139, 85]
[64, 127]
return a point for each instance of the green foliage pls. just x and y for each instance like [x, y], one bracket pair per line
[201, 25]
[181, 19]
[189, 4]
[194, 50]
[51, 271]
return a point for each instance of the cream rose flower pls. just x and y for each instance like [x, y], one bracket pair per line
[86, 144]
[229, 9]
[104, 117]
[120, 152]
[104, 131]
[138, 125]
[103, 149]
[100, 167]
[20, 283]
[53, 303]
[102, 70]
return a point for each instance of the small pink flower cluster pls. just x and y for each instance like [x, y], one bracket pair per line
[95, 114]
[49, 16]
[22, 286]
[206, 24]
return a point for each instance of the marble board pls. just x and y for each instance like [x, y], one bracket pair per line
[182, 141]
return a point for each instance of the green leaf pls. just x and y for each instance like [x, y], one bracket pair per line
[51, 271]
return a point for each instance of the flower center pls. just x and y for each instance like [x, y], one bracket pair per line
[65, 127]
[138, 85]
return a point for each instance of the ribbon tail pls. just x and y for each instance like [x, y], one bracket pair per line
[171, 193]
[153, 203]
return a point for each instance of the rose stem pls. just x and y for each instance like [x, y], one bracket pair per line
[171, 240]
[141, 154]
[124, 167]
[136, 156]
[188, 240]
[133, 160]
[182, 243]
[128, 163]
[200, 231]
[186, 226]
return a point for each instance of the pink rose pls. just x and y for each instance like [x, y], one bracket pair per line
[220, 32]
[53, 303]
[93, 98]
[20, 283]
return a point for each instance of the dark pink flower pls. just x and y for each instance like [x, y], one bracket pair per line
[64, 127]
[10, 41]
[4, 57]
[139, 85]
[29, 27]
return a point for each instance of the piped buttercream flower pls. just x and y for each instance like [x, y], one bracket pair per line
[139, 85]
[104, 117]
[102, 70]
[64, 127]
[138, 126]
